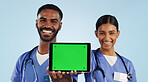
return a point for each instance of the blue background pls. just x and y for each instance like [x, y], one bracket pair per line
[18, 33]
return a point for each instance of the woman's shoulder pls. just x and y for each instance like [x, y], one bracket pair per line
[126, 59]
[93, 51]
[128, 62]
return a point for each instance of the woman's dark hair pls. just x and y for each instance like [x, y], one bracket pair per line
[50, 6]
[107, 19]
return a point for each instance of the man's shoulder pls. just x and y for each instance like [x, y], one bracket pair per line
[23, 57]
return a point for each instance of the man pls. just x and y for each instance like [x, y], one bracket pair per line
[31, 66]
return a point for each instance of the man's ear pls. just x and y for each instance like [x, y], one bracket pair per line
[96, 33]
[60, 25]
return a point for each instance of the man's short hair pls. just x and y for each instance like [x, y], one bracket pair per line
[50, 6]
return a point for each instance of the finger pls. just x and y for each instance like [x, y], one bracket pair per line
[71, 72]
[59, 74]
[81, 72]
[67, 72]
[75, 72]
[63, 73]
[54, 74]
[47, 69]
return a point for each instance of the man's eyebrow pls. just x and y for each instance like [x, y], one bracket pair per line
[54, 19]
[42, 18]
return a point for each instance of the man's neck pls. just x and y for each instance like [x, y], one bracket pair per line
[44, 47]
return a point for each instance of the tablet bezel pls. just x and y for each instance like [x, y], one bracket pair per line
[88, 57]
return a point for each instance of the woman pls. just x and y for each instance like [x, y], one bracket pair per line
[106, 64]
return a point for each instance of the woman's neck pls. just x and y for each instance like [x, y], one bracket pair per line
[109, 52]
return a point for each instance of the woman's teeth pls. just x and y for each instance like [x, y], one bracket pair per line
[106, 42]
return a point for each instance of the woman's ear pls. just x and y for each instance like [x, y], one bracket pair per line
[36, 23]
[118, 33]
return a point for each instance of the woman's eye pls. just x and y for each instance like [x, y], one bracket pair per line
[112, 33]
[101, 33]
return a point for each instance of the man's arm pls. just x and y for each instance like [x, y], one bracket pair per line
[61, 76]
[16, 73]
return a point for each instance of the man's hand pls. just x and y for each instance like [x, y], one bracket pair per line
[61, 76]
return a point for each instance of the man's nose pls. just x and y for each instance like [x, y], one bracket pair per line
[48, 24]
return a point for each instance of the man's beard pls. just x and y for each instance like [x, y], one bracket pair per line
[52, 37]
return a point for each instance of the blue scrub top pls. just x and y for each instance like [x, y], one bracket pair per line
[29, 75]
[108, 69]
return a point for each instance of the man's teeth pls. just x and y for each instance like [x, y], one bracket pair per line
[47, 31]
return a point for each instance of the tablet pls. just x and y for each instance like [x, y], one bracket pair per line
[69, 57]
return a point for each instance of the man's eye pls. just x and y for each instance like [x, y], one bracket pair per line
[42, 20]
[54, 21]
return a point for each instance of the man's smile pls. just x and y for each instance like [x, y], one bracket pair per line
[47, 32]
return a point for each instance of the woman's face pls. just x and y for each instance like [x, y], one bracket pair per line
[107, 35]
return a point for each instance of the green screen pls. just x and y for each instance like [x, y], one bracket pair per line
[69, 57]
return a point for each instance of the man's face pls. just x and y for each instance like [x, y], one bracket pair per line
[48, 23]
[107, 35]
